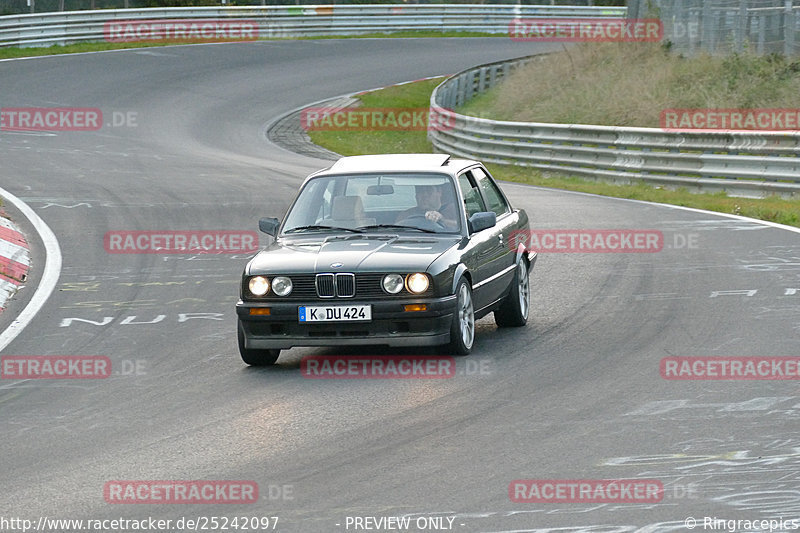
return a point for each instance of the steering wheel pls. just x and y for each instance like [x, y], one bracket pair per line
[438, 224]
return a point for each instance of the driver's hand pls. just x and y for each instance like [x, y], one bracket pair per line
[433, 216]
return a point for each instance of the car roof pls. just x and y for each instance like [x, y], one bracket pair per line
[397, 163]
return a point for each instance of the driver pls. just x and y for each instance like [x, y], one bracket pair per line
[431, 206]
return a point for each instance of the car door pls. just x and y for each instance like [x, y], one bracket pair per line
[497, 267]
[482, 244]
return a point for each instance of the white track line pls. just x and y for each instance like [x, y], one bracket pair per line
[52, 271]
[670, 206]
[731, 215]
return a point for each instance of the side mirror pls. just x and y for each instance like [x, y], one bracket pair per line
[481, 221]
[269, 225]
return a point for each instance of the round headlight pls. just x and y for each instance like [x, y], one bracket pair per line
[281, 285]
[393, 283]
[258, 285]
[417, 283]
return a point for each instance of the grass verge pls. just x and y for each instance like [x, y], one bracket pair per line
[416, 95]
[56, 49]
[629, 84]
[409, 96]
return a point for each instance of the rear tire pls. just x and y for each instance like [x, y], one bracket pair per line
[513, 312]
[255, 357]
[462, 331]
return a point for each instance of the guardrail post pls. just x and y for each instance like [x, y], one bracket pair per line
[481, 81]
[697, 41]
[776, 27]
[634, 9]
[788, 28]
[741, 26]
[471, 86]
[705, 24]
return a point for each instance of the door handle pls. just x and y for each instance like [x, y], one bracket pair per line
[500, 238]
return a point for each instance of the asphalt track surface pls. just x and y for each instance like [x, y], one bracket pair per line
[575, 395]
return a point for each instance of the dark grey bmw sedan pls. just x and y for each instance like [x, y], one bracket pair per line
[397, 250]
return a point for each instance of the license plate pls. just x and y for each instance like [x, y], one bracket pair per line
[335, 313]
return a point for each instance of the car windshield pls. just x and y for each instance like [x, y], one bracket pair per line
[376, 202]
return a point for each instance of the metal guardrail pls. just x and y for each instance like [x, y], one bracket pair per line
[292, 21]
[741, 163]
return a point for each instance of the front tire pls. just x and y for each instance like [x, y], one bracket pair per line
[255, 357]
[513, 312]
[462, 331]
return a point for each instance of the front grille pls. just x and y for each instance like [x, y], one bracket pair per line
[341, 285]
[345, 285]
[325, 286]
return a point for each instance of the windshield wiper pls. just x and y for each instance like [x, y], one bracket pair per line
[312, 227]
[396, 226]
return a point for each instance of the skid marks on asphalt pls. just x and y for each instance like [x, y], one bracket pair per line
[123, 298]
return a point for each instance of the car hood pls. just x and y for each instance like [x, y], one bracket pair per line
[356, 253]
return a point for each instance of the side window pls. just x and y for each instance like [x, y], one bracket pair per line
[473, 203]
[493, 195]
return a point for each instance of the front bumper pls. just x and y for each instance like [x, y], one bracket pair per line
[390, 324]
